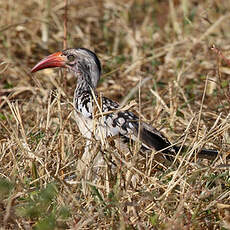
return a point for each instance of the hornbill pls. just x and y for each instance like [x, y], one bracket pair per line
[86, 67]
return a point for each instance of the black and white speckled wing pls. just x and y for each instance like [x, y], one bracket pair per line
[127, 124]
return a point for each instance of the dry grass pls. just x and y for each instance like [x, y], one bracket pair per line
[164, 42]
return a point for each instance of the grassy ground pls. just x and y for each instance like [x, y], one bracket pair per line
[186, 95]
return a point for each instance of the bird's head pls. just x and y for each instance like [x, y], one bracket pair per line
[81, 62]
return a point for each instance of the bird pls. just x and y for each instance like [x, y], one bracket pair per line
[113, 121]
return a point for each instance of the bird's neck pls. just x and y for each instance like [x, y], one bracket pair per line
[84, 84]
[83, 95]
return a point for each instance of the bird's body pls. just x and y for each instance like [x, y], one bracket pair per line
[99, 117]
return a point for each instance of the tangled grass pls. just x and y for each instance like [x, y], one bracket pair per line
[154, 52]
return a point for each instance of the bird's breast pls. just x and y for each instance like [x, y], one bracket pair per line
[89, 124]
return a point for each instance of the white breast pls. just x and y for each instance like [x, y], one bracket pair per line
[95, 128]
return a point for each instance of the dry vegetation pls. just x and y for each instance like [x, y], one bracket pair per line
[185, 94]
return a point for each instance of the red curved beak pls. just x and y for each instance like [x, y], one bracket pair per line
[53, 60]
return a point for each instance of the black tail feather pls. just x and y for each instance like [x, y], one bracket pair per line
[152, 139]
[203, 153]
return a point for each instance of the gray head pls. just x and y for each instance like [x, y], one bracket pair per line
[82, 62]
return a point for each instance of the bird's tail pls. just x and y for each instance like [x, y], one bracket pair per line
[203, 153]
[153, 139]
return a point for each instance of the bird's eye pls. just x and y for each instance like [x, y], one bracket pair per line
[71, 57]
